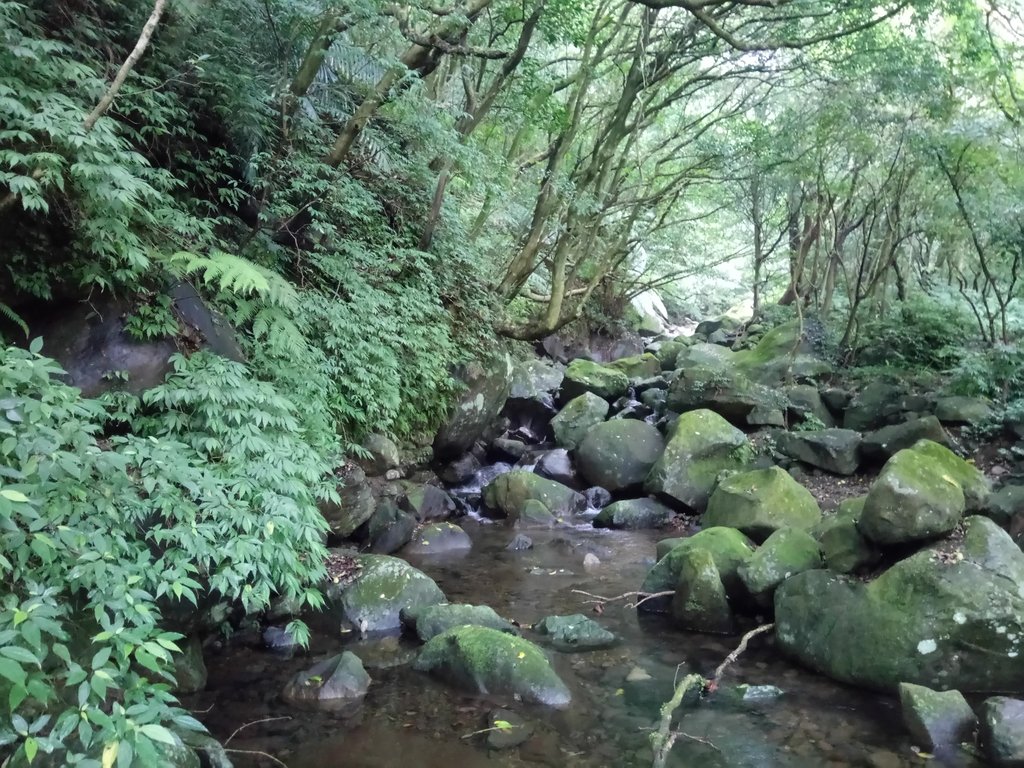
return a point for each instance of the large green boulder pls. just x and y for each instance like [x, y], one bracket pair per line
[785, 553]
[963, 410]
[878, 404]
[914, 498]
[485, 660]
[638, 367]
[949, 616]
[976, 487]
[587, 376]
[805, 400]
[700, 447]
[711, 357]
[887, 441]
[534, 378]
[938, 721]
[508, 495]
[383, 454]
[619, 454]
[668, 353]
[577, 418]
[634, 514]
[382, 588]
[729, 394]
[761, 502]
[728, 548]
[429, 621]
[833, 450]
[439, 539]
[785, 352]
[701, 602]
[487, 385]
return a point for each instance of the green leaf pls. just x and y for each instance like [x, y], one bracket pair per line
[16, 496]
[31, 749]
[158, 733]
[11, 670]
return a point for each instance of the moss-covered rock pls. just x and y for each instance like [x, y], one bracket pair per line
[355, 504]
[389, 529]
[887, 441]
[937, 721]
[728, 548]
[785, 553]
[727, 393]
[878, 404]
[577, 418]
[711, 357]
[701, 603]
[426, 502]
[915, 498]
[976, 487]
[700, 447]
[805, 401]
[634, 514]
[786, 351]
[833, 450]
[843, 548]
[668, 353]
[1005, 504]
[383, 587]
[507, 496]
[439, 539]
[665, 546]
[963, 410]
[575, 633]
[337, 684]
[761, 502]
[586, 376]
[485, 660]
[619, 454]
[638, 367]
[940, 618]
[429, 621]
[535, 378]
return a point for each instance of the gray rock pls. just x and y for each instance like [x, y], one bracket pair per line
[519, 543]
[1002, 731]
[280, 641]
[586, 376]
[1005, 504]
[833, 450]
[461, 470]
[487, 386]
[427, 502]
[337, 684]
[575, 633]
[597, 497]
[875, 406]
[532, 379]
[634, 514]
[189, 668]
[506, 730]
[887, 441]
[504, 449]
[356, 503]
[805, 400]
[508, 496]
[938, 722]
[383, 455]
[963, 410]
[557, 465]
[389, 529]
[439, 539]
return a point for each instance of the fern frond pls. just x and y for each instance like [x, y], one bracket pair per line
[230, 273]
[14, 317]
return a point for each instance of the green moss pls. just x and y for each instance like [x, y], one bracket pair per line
[761, 502]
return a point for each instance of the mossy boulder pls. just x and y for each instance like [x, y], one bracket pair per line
[937, 721]
[944, 618]
[786, 351]
[534, 379]
[729, 394]
[389, 529]
[915, 498]
[427, 502]
[710, 357]
[728, 548]
[439, 539]
[429, 621]
[586, 376]
[701, 603]
[805, 401]
[577, 418]
[384, 455]
[963, 410]
[833, 450]
[878, 404]
[487, 385]
[383, 587]
[843, 548]
[619, 454]
[337, 684]
[634, 514]
[887, 441]
[785, 553]
[1005, 504]
[761, 502]
[485, 660]
[575, 633]
[638, 367]
[976, 487]
[668, 353]
[700, 447]
[355, 504]
[508, 495]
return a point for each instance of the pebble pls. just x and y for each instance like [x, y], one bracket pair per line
[591, 561]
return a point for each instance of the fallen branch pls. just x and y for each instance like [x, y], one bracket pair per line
[254, 722]
[664, 738]
[257, 753]
[599, 600]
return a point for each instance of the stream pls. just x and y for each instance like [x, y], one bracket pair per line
[411, 720]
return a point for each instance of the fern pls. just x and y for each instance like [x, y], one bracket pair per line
[14, 317]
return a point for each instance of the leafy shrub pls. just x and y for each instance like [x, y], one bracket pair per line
[996, 372]
[213, 497]
[923, 333]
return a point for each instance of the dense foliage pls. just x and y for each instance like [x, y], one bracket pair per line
[372, 193]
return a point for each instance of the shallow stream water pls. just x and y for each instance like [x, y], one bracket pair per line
[409, 720]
